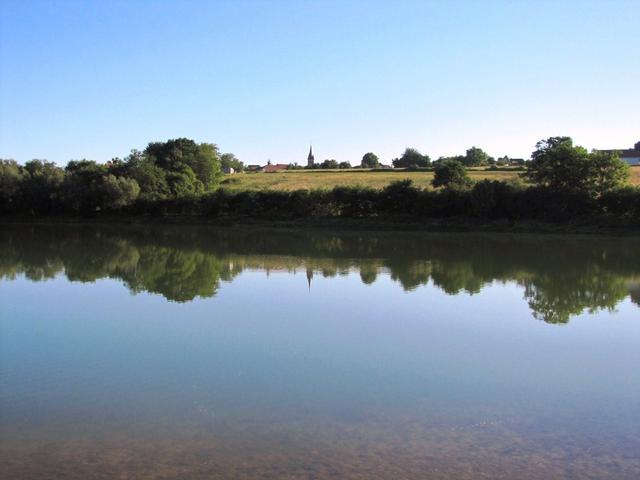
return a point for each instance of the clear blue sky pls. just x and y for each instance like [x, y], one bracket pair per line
[82, 79]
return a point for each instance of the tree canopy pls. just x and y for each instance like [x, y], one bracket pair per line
[370, 160]
[329, 164]
[450, 173]
[476, 157]
[412, 158]
[229, 160]
[172, 169]
[560, 165]
[191, 167]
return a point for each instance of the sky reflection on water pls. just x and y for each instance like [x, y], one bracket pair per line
[410, 355]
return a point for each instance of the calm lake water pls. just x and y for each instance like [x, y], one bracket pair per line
[192, 352]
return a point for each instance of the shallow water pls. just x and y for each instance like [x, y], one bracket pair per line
[191, 352]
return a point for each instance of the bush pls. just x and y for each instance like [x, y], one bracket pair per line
[399, 197]
[623, 203]
[450, 173]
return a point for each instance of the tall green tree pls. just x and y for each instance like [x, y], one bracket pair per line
[476, 157]
[229, 160]
[41, 189]
[11, 177]
[607, 171]
[180, 155]
[90, 186]
[118, 192]
[370, 160]
[412, 158]
[559, 165]
[150, 177]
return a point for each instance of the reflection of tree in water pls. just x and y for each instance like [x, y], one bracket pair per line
[560, 279]
[555, 299]
[368, 272]
[178, 275]
[634, 292]
[455, 277]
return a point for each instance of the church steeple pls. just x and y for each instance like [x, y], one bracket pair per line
[309, 276]
[310, 158]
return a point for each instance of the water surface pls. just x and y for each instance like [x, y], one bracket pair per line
[192, 352]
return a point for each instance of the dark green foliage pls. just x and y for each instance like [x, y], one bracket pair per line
[328, 164]
[151, 178]
[86, 192]
[184, 183]
[606, 171]
[118, 192]
[476, 157]
[355, 202]
[622, 203]
[82, 189]
[90, 187]
[561, 166]
[450, 174]
[399, 197]
[456, 158]
[11, 177]
[193, 167]
[412, 158]
[370, 160]
[176, 178]
[229, 160]
[295, 166]
[41, 189]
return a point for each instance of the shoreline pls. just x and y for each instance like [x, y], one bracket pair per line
[450, 225]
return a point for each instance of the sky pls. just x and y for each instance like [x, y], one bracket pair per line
[264, 79]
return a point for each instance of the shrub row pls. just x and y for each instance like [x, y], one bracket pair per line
[489, 200]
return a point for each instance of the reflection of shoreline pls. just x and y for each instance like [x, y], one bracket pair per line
[560, 278]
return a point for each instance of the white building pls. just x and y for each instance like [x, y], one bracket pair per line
[629, 155]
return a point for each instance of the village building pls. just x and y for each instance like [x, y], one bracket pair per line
[270, 167]
[629, 155]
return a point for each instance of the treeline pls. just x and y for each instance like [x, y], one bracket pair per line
[164, 170]
[181, 177]
[328, 164]
[413, 159]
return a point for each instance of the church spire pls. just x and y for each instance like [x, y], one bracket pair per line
[310, 158]
[309, 277]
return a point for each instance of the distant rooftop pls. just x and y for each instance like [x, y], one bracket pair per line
[626, 152]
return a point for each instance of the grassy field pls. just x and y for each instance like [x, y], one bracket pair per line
[327, 179]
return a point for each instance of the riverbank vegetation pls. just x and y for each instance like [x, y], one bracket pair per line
[562, 182]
